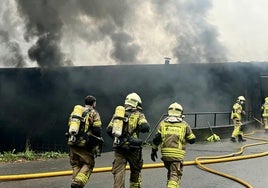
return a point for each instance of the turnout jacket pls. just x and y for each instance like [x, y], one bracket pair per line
[237, 111]
[135, 123]
[264, 109]
[92, 125]
[172, 135]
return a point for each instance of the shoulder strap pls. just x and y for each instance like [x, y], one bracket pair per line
[86, 112]
[127, 115]
[83, 123]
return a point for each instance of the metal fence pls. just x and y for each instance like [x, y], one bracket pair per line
[202, 119]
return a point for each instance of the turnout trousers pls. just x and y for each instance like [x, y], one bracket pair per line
[82, 162]
[237, 128]
[174, 173]
[265, 123]
[134, 157]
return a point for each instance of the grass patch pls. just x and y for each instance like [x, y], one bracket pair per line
[30, 155]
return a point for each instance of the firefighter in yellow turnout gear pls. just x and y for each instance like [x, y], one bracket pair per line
[173, 133]
[84, 140]
[264, 109]
[124, 128]
[236, 117]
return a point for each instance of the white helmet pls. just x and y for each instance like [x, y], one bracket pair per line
[241, 99]
[175, 109]
[133, 99]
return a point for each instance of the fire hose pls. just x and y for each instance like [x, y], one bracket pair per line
[199, 161]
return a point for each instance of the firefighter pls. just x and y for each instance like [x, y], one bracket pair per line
[86, 144]
[172, 134]
[264, 110]
[236, 117]
[126, 124]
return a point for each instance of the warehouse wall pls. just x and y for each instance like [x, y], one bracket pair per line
[35, 103]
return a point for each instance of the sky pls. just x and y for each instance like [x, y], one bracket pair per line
[88, 32]
[243, 28]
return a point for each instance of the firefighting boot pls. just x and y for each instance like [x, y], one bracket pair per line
[233, 139]
[241, 139]
[76, 185]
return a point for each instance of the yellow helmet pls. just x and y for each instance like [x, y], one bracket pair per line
[241, 99]
[266, 99]
[175, 109]
[133, 99]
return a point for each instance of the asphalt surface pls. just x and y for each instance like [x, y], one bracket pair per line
[253, 171]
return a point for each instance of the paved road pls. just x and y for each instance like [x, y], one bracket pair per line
[253, 171]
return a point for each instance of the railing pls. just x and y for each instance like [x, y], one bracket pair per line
[204, 119]
[201, 119]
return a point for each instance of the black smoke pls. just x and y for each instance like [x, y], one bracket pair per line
[45, 20]
[42, 21]
[94, 21]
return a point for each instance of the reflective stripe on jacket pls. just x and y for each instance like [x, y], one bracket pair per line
[264, 110]
[174, 136]
[236, 112]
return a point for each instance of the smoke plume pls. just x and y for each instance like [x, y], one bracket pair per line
[10, 52]
[12, 57]
[99, 32]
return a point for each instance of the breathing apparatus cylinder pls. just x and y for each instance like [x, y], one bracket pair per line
[75, 119]
[118, 122]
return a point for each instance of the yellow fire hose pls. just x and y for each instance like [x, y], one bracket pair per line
[199, 161]
[231, 157]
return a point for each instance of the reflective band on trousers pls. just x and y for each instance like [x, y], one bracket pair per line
[83, 178]
[172, 184]
[135, 185]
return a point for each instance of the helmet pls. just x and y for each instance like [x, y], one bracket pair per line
[266, 99]
[133, 99]
[175, 109]
[241, 99]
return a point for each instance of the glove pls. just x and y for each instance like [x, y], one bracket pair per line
[154, 155]
[96, 152]
[144, 128]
